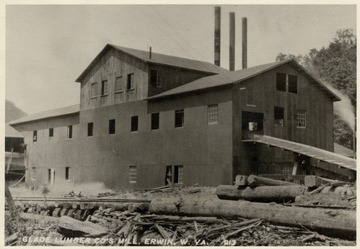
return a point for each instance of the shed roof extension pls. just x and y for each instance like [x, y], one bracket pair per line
[157, 58]
[232, 77]
[48, 114]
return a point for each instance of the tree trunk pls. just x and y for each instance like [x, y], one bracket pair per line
[261, 194]
[338, 223]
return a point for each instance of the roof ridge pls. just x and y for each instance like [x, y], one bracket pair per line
[50, 113]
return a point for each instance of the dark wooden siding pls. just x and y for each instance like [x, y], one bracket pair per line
[203, 150]
[259, 94]
[114, 64]
[171, 77]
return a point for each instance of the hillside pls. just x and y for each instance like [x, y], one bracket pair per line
[12, 112]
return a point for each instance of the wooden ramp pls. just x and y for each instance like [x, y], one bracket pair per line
[306, 150]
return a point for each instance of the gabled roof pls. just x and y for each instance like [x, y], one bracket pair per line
[157, 58]
[11, 132]
[48, 114]
[232, 77]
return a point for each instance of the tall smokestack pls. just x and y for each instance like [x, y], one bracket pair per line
[232, 41]
[217, 33]
[244, 42]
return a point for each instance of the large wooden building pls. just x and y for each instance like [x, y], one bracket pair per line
[147, 119]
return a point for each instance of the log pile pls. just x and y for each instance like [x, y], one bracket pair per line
[135, 229]
[191, 217]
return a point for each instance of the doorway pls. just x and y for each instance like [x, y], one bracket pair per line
[252, 123]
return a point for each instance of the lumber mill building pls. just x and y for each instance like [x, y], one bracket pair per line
[147, 119]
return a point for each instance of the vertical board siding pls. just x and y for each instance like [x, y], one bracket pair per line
[114, 64]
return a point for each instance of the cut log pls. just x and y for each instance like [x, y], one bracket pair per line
[264, 181]
[261, 194]
[74, 228]
[316, 181]
[241, 180]
[338, 223]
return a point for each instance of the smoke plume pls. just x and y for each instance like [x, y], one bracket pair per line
[344, 109]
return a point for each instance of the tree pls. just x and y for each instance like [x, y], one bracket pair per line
[335, 65]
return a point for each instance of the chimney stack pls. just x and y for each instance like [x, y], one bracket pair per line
[217, 33]
[150, 53]
[244, 42]
[232, 42]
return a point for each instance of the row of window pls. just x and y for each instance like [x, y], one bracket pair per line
[286, 82]
[119, 85]
[51, 175]
[51, 133]
[279, 116]
[213, 116]
[173, 174]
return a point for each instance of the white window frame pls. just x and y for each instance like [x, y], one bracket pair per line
[301, 119]
[213, 114]
[133, 174]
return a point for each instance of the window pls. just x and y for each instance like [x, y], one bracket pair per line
[70, 131]
[33, 174]
[292, 83]
[301, 119]
[286, 169]
[67, 173]
[132, 174]
[51, 132]
[179, 118]
[213, 114]
[154, 78]
[90, 130]
[104, 88]
[118, 84]
[134, 123]
[34, 136]
[112, 126]
[174, 174]
[94, 90]
[279, 116]
[155, 120]
[51, 176]
[130, 82]
[281, 82]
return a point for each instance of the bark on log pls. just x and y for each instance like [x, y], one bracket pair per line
[264, 181]
[338, 223]
[73, 228]
[261, 194]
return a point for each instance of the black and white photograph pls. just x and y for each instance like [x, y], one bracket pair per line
[203, 124]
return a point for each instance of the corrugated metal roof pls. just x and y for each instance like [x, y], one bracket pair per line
[11, 132]
[48, 114]
[307, 150]
[231, 77]
[157, 58]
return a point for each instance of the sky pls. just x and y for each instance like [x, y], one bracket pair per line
[49, 46]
